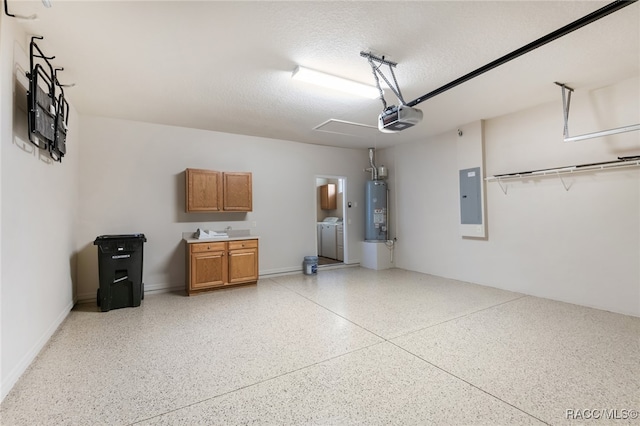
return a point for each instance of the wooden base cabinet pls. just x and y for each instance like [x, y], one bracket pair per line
[219, 264]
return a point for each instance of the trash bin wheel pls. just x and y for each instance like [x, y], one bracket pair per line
[98, 298]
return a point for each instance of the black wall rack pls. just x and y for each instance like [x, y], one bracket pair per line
[48, 116]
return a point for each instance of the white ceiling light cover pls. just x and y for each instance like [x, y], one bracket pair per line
[334, 82]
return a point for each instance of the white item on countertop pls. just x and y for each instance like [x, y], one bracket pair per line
[203, 233]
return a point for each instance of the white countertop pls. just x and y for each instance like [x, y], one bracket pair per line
[188, 237]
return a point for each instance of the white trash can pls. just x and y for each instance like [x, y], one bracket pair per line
[310, 265]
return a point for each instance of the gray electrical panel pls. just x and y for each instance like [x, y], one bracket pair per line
[470, 197]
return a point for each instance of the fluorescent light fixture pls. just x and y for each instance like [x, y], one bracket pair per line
[47, 3]
[333, 82]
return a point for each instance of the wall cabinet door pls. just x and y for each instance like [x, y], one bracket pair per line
[237, 190]
[203, 191]
[328, 197]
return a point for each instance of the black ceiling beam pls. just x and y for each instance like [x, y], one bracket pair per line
[585, 20]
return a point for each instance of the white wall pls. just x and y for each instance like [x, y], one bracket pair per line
[133, 181]
[581, 246]
[38, 223]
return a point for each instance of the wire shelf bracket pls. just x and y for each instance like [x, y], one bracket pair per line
[19, 17]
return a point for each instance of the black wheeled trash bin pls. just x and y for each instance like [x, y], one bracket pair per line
[120, 271]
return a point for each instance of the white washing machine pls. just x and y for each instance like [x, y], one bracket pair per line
[327, 239]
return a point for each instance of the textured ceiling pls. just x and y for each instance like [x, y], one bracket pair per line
[226, 66]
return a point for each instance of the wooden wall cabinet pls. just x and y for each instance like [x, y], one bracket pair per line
[212, 191]
[215, 265]
[328, 197]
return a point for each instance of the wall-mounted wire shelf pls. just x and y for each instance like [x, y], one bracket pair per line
[633, 161]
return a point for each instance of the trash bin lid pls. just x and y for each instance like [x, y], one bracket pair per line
[106, 238]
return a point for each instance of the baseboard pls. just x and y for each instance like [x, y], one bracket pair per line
[163, 288]
[148, 289]
[277, 271]
[166, 288]
[271, 273]
[28, 358]
[86, 297]
[337, 266]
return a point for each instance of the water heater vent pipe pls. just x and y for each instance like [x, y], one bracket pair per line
[374, 169]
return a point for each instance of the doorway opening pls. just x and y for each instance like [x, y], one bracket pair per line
[330, 220]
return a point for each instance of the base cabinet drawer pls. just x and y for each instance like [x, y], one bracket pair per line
[216, 265]
[242, 244]
[207, 247]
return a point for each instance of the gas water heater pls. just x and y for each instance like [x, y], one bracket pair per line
[376, 210]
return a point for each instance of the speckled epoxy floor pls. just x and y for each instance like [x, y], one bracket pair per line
[348, 346]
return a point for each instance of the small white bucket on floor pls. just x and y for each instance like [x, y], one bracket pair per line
[310, 265]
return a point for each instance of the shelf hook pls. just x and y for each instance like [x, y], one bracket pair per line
[55, 74]
[27, 18]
